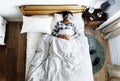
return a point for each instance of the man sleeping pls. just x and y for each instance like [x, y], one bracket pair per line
[66, 29]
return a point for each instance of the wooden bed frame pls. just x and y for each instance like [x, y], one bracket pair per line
[50, 9]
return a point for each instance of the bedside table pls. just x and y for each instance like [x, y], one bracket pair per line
[95, 18]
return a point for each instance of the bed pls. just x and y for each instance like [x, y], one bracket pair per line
[38, 21]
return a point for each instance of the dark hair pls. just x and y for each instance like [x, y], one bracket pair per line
[66, 13]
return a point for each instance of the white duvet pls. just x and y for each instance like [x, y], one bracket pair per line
[58, 59]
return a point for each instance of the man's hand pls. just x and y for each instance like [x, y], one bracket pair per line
[67, 37]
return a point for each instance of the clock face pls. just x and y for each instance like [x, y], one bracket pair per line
[97, 53]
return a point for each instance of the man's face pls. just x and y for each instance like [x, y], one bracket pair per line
[68, 17]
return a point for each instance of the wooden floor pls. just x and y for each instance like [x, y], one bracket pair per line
[12, 55]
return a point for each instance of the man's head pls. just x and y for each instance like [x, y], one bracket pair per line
[67, 15]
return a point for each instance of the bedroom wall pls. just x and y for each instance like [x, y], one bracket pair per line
[12, 55]
[10, 9]
[114, 44]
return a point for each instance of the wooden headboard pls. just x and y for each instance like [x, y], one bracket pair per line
[50, 9]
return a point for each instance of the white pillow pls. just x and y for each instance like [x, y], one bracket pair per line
[37, 24]
[77, 20]
[56, 18]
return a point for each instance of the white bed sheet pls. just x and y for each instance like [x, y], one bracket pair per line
[32, 41]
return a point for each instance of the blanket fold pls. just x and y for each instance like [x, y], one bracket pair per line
[58, 59]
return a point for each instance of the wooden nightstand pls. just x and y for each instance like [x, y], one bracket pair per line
[94, 19]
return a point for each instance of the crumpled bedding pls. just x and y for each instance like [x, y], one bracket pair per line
[58, 59]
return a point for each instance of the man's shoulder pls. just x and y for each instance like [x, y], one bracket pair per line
[72, 24]
[60, 22]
